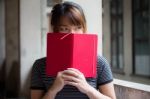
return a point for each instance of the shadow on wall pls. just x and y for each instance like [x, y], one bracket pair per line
[25, 91]
[2, 79]
[13, 81]
[10, 86]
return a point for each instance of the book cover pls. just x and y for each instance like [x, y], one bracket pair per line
[66, 50]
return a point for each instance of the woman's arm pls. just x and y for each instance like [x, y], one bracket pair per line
[52, 91]
[37, 94]
[108, 90]
[105, 92]
[78, 80]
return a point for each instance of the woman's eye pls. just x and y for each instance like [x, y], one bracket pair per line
[63, 29]
[78, 27]
[66, 29]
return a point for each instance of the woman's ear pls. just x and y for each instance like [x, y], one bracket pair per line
[50, 27]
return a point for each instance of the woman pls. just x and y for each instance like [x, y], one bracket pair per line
[68, 17]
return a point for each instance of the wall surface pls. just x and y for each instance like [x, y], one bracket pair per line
[106, 30]
[12, 68]
[129, 93]
[131, 90]
[30, 40]
[2, 48]
[2, 33]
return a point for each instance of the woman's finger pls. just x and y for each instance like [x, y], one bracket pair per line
[71, 72]
[70, 78]
[71, 83]
[75, 70]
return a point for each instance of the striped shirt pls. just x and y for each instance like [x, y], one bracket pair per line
[40, 81]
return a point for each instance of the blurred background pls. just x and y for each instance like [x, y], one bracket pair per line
[123, 28]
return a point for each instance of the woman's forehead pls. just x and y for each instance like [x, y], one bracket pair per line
[64, 20]
[72, 20]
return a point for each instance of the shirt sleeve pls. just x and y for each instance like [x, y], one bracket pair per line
[36, 79]
[104, 73]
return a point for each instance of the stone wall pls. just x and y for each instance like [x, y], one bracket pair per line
[130, 93]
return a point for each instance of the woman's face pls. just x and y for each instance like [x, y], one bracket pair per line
[65, 26]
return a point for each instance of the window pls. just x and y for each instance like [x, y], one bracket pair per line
[116, 19]
[141, 37]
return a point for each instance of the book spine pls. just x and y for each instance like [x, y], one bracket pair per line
[72, 60]
[95, 57]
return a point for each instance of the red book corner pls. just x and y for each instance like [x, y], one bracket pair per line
[71, 51]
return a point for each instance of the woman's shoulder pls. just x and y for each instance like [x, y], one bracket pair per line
[103, 71]
[102, 60]
[39, 62]
[102, 63]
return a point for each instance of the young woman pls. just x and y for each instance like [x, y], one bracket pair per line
[68, 17]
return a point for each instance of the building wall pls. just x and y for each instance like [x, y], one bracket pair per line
[106, 30]
[2, 48]
[127, 37]
[2, 34]
[30, 41]
[131, 90]
[130, 93]
[12, 68]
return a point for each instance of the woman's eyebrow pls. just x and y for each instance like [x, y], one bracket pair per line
[63, 25]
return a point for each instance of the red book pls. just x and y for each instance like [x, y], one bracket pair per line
[66, 50]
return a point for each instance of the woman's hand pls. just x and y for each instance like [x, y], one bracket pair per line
[72, 77]
[58, 83]
[75, 78]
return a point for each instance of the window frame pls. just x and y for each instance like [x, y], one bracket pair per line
[117, 16]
